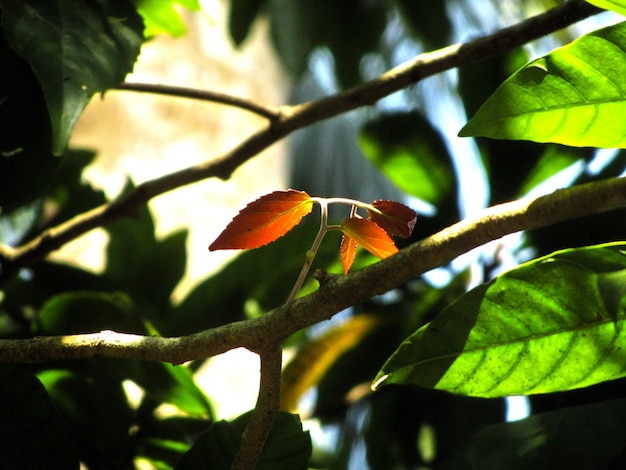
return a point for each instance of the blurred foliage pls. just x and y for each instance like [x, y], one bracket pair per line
[404, 148]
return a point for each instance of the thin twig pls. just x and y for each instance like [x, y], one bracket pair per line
[336, 292]
[268, 401]
[310, 255]
[268, 112]
[297, 117]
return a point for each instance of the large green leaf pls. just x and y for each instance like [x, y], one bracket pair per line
[76, 48]
[613, 5]
[581, 437]
[288, 447]
[554, 324]
[571, 96]
[32, 432]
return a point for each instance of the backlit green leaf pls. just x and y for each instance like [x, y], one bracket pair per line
[571, 96]
[160, 16]
[554, 324]
[618, 6]
[76, 48]
[410, 152]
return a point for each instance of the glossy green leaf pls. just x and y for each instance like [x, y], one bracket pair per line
[76, 48]
[554, 324]
[613, 5]
[32, 431]
[579, 437]
[410, 152]
[571, 96]
[288, 447]
[161, 16]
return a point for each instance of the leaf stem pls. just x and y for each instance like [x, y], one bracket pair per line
[310, 255]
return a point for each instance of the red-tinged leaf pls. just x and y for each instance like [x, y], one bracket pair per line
[397, 219]
[348, 252]
[370, 236]
[264, 220]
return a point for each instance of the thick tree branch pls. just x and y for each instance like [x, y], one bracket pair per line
[202, 95]
[292, 118]
[267, 404]
[336, 291]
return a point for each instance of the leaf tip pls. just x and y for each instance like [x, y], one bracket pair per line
[379, 381]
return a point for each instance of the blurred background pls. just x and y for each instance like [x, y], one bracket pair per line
[404, 147]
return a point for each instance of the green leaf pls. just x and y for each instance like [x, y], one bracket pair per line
[553, 160]
[32, 432]
[99, 412]
[134, 255]
[87, 312]
[161, 16]
[295, 31]
[288, 447]
[571, 96]
[577, 437]
[554, 324]
[26, 160]
[406, 148]
[76, 48]
[616, 6]
[166, 383]
[241, 16]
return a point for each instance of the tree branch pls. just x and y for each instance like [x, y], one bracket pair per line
[203, 95]
[292, 118]
[267, 404]
[336, 291]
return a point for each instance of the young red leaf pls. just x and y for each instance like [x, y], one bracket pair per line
[397, 219]
[348, 252]
[264, 220]
[370, 236]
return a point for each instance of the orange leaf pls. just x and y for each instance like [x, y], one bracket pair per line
[397, 219]
[348, 252]
[370, 236]
[264, 220]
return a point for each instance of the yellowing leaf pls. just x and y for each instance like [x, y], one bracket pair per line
[370, 236]
[313, 360]
[264, 220]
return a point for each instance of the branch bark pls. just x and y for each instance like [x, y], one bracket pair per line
[202, 95]
[336, 291]
[289, 119]
[264, 412]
